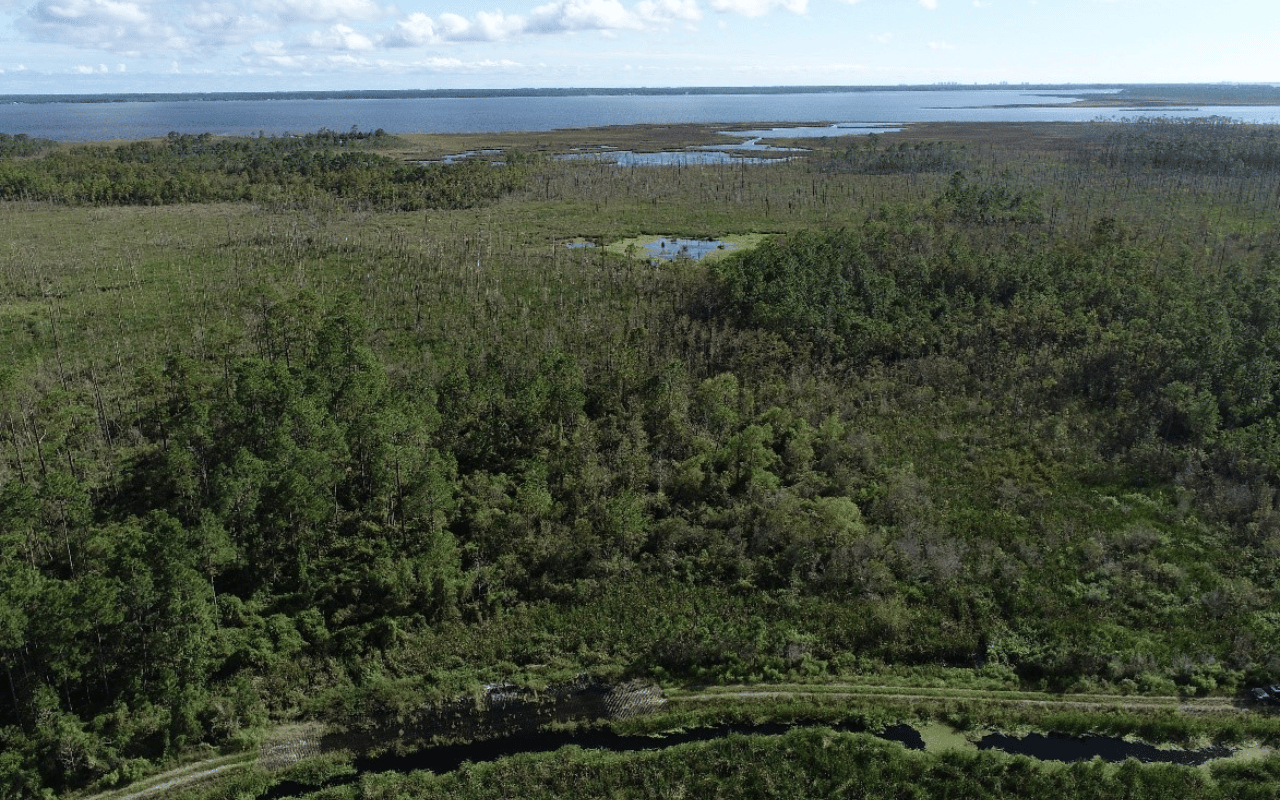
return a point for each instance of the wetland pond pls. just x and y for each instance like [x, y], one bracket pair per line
[703, 154]
[697, 249]
[447, 758]
[670, 158]
[672, 247]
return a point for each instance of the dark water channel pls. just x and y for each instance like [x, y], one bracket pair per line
[450, 757]
[446, 758]
[1060, 747]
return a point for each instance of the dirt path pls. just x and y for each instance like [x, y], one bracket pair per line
[183, 776]
[853, 692]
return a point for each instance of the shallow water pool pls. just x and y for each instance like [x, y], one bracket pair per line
[695, 249]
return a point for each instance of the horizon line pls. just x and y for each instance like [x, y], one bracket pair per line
[551, 90]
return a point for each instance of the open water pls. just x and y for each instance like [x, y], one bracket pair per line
[450, 757]
[109, 117]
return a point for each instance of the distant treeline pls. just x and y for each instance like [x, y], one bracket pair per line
[278, 169]
[20, 145]
[1214, 146]
[162, 97]
[869, 158]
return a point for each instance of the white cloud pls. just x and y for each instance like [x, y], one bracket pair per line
[276, 57]
[414, 30]
[566, 16]
[941, 46]
[222, 23]
[275, 49]
[325, 10]
[289, 33]
[92, 12]
[136, 26]
[338, 37]
[661, 11]
[929, 4]
[142, 25]
[562, 16]
[419, 30]
[756, 8]
[488, 26]
[112, 25]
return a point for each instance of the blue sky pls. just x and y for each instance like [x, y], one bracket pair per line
[57, 46]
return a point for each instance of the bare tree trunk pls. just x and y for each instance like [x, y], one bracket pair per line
[17, 451]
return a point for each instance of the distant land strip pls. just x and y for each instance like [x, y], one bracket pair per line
[1124, 94]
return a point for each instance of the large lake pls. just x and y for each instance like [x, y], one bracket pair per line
[106, 117]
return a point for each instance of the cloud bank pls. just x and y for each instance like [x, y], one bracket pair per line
[598, 42]
[139, 26]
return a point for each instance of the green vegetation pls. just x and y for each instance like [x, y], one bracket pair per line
[292, 430]
[868, 158]
[804, 763]
[279, 170]
[22, 145]
[975, 712]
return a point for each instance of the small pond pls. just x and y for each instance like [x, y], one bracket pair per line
[454, 158]
[695, 249]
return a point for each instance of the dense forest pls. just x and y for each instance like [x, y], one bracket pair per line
[291, 429]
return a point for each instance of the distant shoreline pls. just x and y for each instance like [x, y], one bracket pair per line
[128, 117]
[403, 94]
[1123, 94]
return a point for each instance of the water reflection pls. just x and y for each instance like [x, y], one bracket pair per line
[816, 131]
[706, 153]
[630, 158]
[446, 758]
[1059, 747]
[696, 249]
